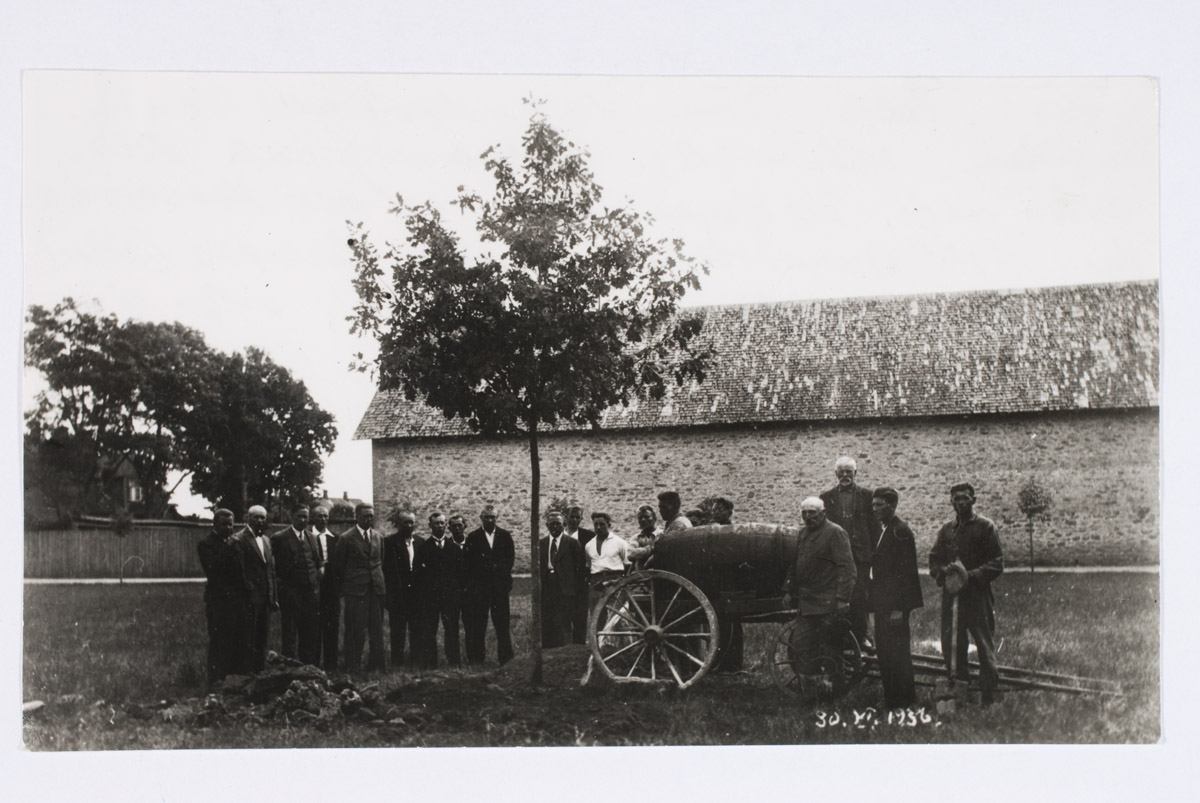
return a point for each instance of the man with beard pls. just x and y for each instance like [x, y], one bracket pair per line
[331, 602]
[849, 506]
[403, 601]
[968, 544]
[490, 555]
[226, 603]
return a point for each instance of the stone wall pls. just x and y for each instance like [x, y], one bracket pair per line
[1100, 467]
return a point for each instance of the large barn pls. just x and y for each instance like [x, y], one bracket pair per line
[1059, 384]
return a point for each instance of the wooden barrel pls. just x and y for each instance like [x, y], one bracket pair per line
[730, 559]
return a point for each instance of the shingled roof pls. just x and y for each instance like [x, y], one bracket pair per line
[997, 351]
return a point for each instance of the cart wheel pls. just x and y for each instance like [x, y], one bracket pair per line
[654, 627]
[821, 678]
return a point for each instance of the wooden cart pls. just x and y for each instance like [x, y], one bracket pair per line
[663, 624]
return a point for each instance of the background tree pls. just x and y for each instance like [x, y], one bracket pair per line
[157, 395]
[575, 313]
[263, 443]
[1034, 500]
[115, 390]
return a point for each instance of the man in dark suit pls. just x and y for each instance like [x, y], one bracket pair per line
[330, 601]
[358, 572]
[490, 554]
[573, 520]
[894, 590]
[564, 581]
[258, 571]
[226, 602]
[298, 569]
[440, 576]
[403, 602]
[849, 507]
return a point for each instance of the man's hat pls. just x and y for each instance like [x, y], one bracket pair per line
[956, 577]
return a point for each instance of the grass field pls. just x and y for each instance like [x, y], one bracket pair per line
[117, 645]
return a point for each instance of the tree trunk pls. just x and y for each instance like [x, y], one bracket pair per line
[535, 618]
[1029, 524]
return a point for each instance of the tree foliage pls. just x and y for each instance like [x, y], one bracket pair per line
[264, 441]
[575, 311]
[155, 395]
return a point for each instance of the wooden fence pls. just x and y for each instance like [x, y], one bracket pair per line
[150, 549]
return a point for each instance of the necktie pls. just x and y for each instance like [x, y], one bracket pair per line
[553, 550]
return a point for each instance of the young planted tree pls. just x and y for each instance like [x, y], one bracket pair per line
[575, 312]
[1034, 500]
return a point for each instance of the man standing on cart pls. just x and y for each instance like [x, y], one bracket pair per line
[819, 584]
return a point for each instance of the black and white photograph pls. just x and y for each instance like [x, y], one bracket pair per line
[482, 408]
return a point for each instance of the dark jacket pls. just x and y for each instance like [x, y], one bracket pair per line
[358, 564]
[440, 570]
[489, 569]
[584, 535]
[895, 583]
[977, 544]
[222, 564]
[258, 569]
[858, 521]
[569, 578]
[398, 574]
[297, 560]
[822, 576]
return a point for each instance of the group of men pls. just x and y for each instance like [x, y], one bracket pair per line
[856, 557]
[314, 577]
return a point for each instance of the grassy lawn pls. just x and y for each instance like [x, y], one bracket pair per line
[117, 645]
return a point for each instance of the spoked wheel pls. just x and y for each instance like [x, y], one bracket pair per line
[654, 627]
[816, 678]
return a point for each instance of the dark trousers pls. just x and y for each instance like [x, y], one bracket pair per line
[558, 614]
[329, 616]
[893, 646]
[256, 624]
[404, 619]
[810, 642]
[299, 622]
[363, 622]
[579, 619]
[446, 610]
[859, 610]
[226, 618]
[475, 619]
[975, 618]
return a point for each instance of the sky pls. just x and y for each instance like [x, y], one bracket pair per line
[222, 200]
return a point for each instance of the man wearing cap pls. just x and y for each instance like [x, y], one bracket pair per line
[819, 582]
[972, 541]
[894, 590]
[849, 506]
